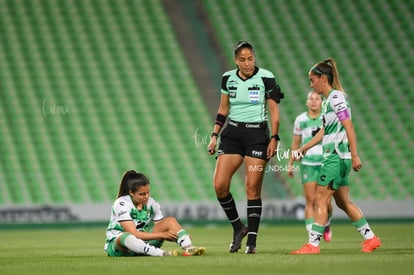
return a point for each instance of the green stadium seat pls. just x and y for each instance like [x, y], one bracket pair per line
[90, 58]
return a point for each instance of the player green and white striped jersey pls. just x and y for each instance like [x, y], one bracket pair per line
[307, 127]
[123, 209]
[335, 108]
[248, 96]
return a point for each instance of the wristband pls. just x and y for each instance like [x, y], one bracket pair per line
[276, 137]
[220, 119]
[214, 135]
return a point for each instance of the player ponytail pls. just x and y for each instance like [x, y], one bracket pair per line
[329, 69]
[130, 182]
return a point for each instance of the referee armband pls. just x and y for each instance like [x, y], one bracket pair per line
[275, 94]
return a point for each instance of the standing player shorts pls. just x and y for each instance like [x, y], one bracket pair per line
[334, 171]
[245, 139]
[309, 173]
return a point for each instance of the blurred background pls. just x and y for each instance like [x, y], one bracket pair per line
[92, 88]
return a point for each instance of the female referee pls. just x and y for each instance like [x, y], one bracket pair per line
[339, 146]
[306, 125]
[248, 93]
[137, 225]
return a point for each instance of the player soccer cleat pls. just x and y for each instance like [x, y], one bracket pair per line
[327, 234]
[171, 253]
[370, 245]
[194, 251]
[250, 250]
[237, 239]
[307, 249]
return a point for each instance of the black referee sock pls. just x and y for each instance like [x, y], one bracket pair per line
[229, 207]
[254, 214]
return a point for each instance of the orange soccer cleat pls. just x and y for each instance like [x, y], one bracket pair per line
[370, 245]
[307, 249]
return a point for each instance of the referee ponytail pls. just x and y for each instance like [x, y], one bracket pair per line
[130, 182]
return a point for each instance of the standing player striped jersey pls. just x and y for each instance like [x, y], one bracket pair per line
[307, 127]
[335, 140]
[340, 155]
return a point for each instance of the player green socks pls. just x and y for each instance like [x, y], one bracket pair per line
[308, 224]
[139, 246]
[364, 229]
[315, 234]
[183, 239]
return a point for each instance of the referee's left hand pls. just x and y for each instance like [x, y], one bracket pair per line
[271, 148]
[211, 148]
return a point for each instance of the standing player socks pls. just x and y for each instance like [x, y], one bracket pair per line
[364, 229]
[315, 234]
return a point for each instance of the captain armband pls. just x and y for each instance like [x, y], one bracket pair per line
[220, 119]
[342, 115]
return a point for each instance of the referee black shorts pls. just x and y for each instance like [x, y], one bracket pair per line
[245, 139]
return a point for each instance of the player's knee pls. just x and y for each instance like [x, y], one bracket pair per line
[120, 241]
[252, 191]
[221, 188]
[171, 219]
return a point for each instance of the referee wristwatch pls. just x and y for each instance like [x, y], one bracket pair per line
[276, 137]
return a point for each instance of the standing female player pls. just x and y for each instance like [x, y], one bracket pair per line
[137, 225]
[306, 125]
[248, 93]
[339, 145]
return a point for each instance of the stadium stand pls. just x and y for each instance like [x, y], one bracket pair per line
[89, 91]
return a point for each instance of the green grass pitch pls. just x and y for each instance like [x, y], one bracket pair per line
[79, 250]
